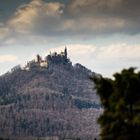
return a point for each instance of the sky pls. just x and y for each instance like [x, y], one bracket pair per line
[103, 35]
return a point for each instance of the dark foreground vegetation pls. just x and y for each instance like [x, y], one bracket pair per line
[120, 99]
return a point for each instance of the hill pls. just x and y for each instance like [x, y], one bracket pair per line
[56, 99]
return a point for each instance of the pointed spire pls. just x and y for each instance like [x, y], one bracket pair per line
[65, 51]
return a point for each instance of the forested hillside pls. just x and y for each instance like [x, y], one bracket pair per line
[54, 101]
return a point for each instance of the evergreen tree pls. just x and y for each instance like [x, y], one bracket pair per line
[120, 98]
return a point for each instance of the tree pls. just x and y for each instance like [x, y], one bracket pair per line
[120, 98]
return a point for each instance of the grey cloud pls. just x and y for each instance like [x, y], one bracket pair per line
[120, 8]
[127, 12]
[37, 16]
[91, 17]
[77, 18]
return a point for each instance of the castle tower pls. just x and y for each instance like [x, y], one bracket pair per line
[65, 52]
[38, 58]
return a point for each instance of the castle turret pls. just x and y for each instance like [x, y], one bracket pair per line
[65, 52]
[38, 58]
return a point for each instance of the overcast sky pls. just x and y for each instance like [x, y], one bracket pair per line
[103, 35]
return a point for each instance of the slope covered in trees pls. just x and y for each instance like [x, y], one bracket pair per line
[54, 101]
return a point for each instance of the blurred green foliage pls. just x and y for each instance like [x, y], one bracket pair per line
[120, 98]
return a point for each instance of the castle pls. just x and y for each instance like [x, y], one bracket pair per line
[52, 58]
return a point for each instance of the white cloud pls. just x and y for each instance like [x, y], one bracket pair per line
[113, 51]
[122, 50]
[76, 49]
[8, 58]
[77, 52]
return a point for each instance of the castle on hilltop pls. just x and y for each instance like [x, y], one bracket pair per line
[52, 58]
[55, 58]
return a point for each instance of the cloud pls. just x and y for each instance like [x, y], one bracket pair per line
[76, 52]
[113, 51]
[75, 49]
[107, 12]
[107, 8]
[54, 18]
[36, 17]
[33, 23]
[106, 60]
[108, 53]
[3, 32]
[86, 16]
[96, 6]
[113, 58]
[7, 58]
[37, 20]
